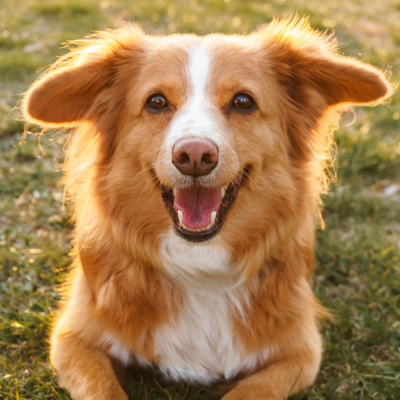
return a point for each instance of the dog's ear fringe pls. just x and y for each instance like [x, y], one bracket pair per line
[98, 44]
[61, 96]
[295, 30]
[313, 57]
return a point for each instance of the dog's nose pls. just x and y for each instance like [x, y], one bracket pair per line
[195, 157]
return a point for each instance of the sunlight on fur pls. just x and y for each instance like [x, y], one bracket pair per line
[196, 165]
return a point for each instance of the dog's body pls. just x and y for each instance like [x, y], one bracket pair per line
[196, 169]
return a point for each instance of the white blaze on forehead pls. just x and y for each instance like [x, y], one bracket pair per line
[194, 119]
[199, 69]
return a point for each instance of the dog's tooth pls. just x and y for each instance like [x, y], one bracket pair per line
[180, 216]
[223, 191]
[213, 216]
[175, 190]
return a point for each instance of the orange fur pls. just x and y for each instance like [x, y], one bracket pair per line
[117, 161]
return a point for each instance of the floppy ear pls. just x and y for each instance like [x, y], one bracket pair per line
[65, 94]
[314, 78]
[304, 58]
[339, 80]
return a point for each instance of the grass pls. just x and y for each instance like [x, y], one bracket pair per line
[357, 258]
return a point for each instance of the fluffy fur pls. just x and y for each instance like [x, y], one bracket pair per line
[238, 305]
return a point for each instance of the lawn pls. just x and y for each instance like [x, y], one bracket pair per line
[357, 257]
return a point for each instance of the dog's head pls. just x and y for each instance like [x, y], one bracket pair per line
[218, 137]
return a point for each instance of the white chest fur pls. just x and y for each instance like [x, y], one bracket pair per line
[200, 344]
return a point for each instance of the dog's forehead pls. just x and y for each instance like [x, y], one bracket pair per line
[189, 65]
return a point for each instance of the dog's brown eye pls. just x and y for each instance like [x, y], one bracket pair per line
[156, 102]
[243, 102]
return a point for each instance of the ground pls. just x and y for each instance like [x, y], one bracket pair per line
[357, 261]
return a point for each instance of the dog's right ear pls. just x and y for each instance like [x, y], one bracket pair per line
[64, 95]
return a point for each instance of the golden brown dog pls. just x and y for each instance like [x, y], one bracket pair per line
[196, 165]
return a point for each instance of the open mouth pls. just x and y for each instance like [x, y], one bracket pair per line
[198, 211]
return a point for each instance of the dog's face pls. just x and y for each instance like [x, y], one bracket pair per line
[217, 137]
[205, 129]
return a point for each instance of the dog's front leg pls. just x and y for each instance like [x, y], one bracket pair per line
[295, 367]
[276, 382]
[87, 373]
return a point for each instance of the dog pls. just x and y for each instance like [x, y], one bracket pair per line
[196, 166]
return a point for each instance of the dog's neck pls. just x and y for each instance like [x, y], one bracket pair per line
[203, 267]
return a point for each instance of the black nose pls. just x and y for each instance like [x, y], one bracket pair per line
[195, 157]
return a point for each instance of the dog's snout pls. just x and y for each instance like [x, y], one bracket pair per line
[195, 157]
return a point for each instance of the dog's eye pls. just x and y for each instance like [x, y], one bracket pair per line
[243, 102]
[156, 102]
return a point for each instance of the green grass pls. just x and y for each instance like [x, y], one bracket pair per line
[357, 258]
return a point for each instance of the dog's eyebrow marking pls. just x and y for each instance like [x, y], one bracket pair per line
[199, 65]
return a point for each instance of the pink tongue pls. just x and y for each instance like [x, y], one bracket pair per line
[197, 203]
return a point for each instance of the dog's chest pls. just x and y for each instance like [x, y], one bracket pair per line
[201, 344]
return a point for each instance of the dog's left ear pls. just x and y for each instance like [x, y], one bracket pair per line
[306, 59]
[313, 78]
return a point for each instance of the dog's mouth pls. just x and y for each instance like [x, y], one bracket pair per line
[198, 211]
